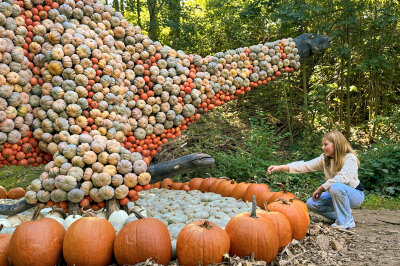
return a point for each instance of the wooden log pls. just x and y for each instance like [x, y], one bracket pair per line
[179, 166]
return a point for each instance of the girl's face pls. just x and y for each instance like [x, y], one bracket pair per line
[328, 148]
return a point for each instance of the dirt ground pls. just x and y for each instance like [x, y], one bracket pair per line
[374, 241]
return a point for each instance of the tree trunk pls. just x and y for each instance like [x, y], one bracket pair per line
[288, 115]
[348, 111]
[153, 26]
[174, 22]
[305, 89]
[138, 13]
[116, 5]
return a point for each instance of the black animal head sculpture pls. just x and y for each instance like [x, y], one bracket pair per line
[310, 44]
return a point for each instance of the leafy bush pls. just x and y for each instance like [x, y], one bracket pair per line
[380, 168]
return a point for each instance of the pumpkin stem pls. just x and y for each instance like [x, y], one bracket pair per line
[136, 213]
[282, 186]
[284, 201]
[73, 206]
[253, 213]
[37, 212]
[60, 211]
[266, 206]
[112, 205]
[1, 226]
[87, 213]
[206, 225]
[263, 180]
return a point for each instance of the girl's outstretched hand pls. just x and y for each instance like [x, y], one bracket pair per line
[277, 168]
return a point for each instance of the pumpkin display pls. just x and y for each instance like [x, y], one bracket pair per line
[253, 235]
[78, 248]
[31, 240]
[202, 242]
[81, 87]
[142, 239]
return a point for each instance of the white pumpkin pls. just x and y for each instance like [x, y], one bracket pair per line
[7, 230]
[15, 219]
[56, 215]
[5, 222]
[174, 229]
[117, 226]
[173, 247]
[118, 217]
[102, 215]
[70, 220]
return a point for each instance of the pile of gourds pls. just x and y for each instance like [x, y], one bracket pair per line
[114, 173]
[203, 238]
[70, 68]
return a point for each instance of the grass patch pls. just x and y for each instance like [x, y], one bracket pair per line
[374, 202]
[19, 176]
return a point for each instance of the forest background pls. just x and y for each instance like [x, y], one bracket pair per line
[354, 87]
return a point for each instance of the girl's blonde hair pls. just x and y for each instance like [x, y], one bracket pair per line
[342, 147]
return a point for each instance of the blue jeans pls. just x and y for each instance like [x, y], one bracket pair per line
[336, 204]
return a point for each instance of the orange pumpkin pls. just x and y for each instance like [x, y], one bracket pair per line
[264, 197]
[295, 215]
[142, 239]
[203, 243]
[205, 185]
[226, 187]
[157, 185]
[195, 183]
[177, 185]
[37, 242]
[16, 193]
[252, 234]
[302, 205]
[215, 184]
[282, 194]
[239, 190]
[167, 183]
[3, 193]
[4, 247]
[89, 241]
[282, 226]
[254, 189]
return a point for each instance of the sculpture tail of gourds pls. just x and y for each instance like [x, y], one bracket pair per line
[90, 96]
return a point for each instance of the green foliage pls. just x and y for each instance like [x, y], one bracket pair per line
[380, 168]
[376, 201]
[19, 176]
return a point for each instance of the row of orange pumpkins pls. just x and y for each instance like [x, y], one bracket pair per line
[13, 193]
[93, 241]
[230, 188]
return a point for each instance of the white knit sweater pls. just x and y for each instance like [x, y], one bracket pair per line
[348, 175]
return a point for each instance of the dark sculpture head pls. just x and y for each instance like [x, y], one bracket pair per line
[310, 44]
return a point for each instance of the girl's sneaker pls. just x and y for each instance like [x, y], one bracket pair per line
[349, 224]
